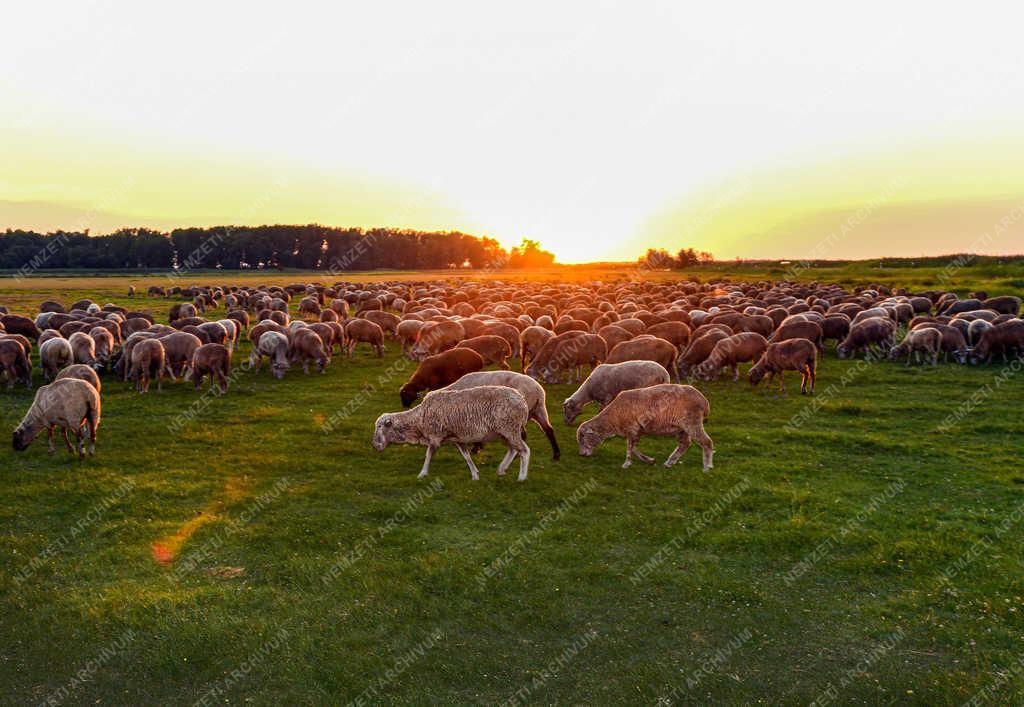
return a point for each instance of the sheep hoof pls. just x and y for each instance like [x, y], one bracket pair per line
[421, 475]
[628, 463]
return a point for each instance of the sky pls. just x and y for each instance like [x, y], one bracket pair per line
[792, 130]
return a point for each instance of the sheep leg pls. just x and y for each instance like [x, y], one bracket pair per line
[426, 461]
[632, 451]
[524, 462]
[81, 442]
[735, 372]
[681, 447]
[707, 445]
[66, 440]
[782, 383]
[49, 439]
[474, 472]
[506, 461]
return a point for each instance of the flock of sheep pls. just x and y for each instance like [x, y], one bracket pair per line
[639, 340]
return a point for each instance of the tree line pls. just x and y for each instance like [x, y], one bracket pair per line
[661, 259]
[310, 247]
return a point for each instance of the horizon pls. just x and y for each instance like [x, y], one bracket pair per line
[598, 132]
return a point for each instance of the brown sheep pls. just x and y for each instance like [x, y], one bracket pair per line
[570, 355]
[15, 324]
[148, 361]
[613, 335]
[68, 403]
[81, 372]
[531, 341]
[924, 339]
[790, 355]
[699, 350]
[440, 370]
[730, 352]
[646, 349]
[104, 344]
[364, 331]
[436, 337]
[953, 341]
[14, 362]
[178, 350]
[675, 333]
[387, 321]
[795, 329]
[309, 308]
[506, 331]
[1006, 337]
[492, 349]
[865, 334]
[661, 410]
[212, 360]
[1006, 304]
[54, 355]
[407, 331]
[306, 345]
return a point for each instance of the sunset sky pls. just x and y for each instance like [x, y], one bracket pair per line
[597, 128]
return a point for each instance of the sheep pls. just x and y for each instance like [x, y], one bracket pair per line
[508, 332]
[387, 321]
[15, 324]
[436, 337]
[730, 352]
[492, 348]
[1006, 304]
[438, 371]
[364, 331]
[273, 345]
[213, 360]
[531, 390]
[178, 350]
[540, 360]
[55, 354]
[531, 341]
[103, 342]
[953, 341]
[676, 333]
[865, 334]
[131, 290]
[68, 403]
[811, 331]
[699, 350]
[571, 355]
[645, 349]
[608, 380]
[83, 347]
[925, 339]
[406, 332]
[309, 308]
[1006, 337]
[340, 307]
[306, 345]
[81, 372]
[471, 416]
[666, 409]
[790, 355]
[14, 362]
[976, 329]
[148, 361]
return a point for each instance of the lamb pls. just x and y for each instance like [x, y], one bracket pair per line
[438, 371]
[865, 334]
[84, 348]
[14, 362]
[730, 352]
[273, 345]
[306, 345]
[608, 380]
[645, 349]
[148, 361]
[531, 390]
[364, 331]
[492, 348]
[81, 372]
[790, 355]
[925, 339]
[68, 403]
[471, 416]
[666, 409]
[55, 354]
[213, 360]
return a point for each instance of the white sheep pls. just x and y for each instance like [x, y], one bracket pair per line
[608, 380]
[531, 390]
[68, 403]
[55, 354]
[274, 345]
[471, 416]
[660, 410]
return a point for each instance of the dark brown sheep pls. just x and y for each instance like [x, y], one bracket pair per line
[791, 355]
[305, 346]
[15, 324]
[440, 370]
[212, 360]
[14, 363]
[148, 361]
[1006, 337]
[866, 334]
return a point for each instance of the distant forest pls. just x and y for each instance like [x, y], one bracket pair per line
[311, 247]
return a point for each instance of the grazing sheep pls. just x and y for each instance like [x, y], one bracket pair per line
[55, 354]
[15, 324]
[364, 331]
[178, 349]
[492, 349]
[1006, 304]
[531, 341]
[793, 329]
[83, 347]
[925, 340]
[148, 361]
[273, 345]
[865, 334]
[508, 332]
[131, 290]
[68, 403]
[730, 352]
[974, 331]
[436, 337]
[608, 380]
[309, 308]
[81, 372]
[570, 355]
[438, 371]
[953, 341]
[699, 350]
[790, 355]
[645, 349]
[212, 360]
[676, 333]
[306, 346]
[387, 321]
[531, 390]
[1006, 337]
[661, 410]
[613, 335]
[14, 362]
[406, 332]
[103, 342]
[472, 416]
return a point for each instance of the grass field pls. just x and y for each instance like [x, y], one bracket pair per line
[858, 548]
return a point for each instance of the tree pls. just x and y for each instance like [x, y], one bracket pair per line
[528, 254]
[657, 259]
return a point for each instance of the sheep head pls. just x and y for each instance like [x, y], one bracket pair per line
[588, 438]
[571, 409]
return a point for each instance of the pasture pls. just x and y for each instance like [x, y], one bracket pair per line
[857, 547]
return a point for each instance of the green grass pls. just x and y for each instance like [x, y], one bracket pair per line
[564, 621]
